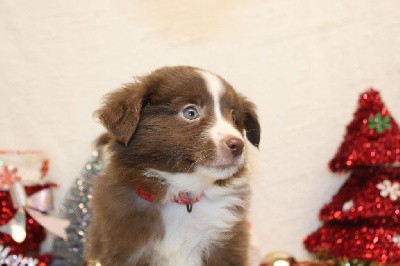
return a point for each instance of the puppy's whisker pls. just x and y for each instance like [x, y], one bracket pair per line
[173, 152]
[195, 162]
[170, 159]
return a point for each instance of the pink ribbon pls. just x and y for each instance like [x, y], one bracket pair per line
[34, 205]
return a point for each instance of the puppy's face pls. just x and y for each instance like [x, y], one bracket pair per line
[181, 119]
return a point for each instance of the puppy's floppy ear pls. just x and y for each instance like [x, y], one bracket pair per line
[251, 123]
[120, 112]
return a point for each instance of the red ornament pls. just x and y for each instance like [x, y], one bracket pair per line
[22, 169]
[35, 233]
[372, 138]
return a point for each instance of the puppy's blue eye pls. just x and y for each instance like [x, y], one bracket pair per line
[190, 113]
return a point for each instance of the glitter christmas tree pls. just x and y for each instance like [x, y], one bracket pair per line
[75, 208]
[362, 220]
[372, 138]
[361, 223]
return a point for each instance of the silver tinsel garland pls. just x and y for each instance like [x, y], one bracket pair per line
[75, 208]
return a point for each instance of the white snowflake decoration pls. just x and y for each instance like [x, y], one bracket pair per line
[389, 189]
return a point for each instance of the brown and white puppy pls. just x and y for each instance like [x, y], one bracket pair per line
[174, 191]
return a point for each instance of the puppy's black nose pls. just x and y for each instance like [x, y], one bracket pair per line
[235, 145]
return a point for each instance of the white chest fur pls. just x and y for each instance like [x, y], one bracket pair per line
[189, 235]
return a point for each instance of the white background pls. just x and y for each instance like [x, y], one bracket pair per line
[303, 63]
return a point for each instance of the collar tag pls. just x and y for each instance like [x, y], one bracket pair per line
[189, 206]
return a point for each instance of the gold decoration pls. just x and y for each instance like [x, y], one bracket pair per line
[278, 258]
[93, 263]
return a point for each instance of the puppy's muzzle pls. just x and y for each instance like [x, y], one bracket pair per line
[234, 145]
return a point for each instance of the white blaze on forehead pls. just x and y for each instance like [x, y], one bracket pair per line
[222, 127]
[215, 88]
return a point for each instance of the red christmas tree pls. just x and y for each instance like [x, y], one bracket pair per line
[372, 138]
[362, 220]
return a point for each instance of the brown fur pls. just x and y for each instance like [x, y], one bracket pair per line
[234, 251]
[144, 132]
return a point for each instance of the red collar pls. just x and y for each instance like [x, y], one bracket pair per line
[181, 198]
